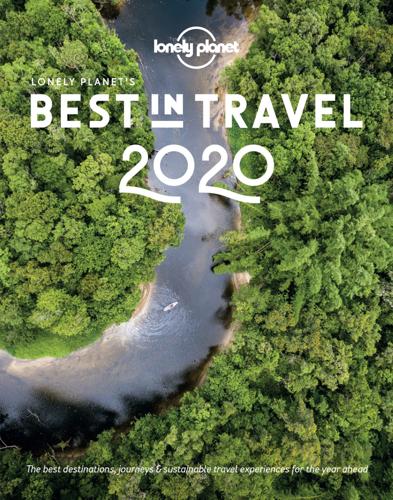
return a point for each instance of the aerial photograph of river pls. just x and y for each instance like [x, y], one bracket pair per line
[159, 353]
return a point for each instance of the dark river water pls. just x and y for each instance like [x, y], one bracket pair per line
[149, 359]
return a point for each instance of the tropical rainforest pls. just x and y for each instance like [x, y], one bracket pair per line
[308, 379]
[73, 252]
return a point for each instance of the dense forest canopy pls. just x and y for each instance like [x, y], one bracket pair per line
[73, 251]
[308, 379]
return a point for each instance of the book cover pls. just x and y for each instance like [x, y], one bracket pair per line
[196, 249]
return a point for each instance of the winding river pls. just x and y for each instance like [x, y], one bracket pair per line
[157, 354]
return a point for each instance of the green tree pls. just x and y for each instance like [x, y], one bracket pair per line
[73, 250]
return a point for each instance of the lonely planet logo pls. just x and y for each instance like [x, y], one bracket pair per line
[191, 53]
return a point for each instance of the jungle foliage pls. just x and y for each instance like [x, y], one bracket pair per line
[73, 251]
[308, 379]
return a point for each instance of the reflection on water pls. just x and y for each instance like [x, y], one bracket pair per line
[237, 8]
[144, 363]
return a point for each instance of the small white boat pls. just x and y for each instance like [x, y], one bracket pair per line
[171, 306]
